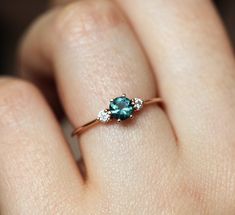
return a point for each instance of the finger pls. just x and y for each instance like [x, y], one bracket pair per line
[37, 171]
[193, 62]
[96, 57]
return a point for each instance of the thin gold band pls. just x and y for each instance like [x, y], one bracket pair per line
[94, 122]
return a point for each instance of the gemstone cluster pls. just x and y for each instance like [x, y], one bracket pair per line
[120, 108]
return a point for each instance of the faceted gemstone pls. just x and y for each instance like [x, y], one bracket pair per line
[138, 103]
[104, 116]
[121, 108]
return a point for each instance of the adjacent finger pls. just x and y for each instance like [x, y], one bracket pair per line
[37, 171]
[96, 57]
[194, 64]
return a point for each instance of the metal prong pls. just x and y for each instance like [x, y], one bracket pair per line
[123, 95]
[119, 120]
[131, 116]
[132, 101]
[111, 100]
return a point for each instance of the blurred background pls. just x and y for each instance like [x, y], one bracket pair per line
[16, 15]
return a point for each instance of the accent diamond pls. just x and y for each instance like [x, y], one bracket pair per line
[138, 103]
[104, 116]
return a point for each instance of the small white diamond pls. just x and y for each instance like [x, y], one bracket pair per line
[138, 103]
[104, 116]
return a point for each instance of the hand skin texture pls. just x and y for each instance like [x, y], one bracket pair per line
[179, 159]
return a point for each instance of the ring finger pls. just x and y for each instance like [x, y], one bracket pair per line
[96, 57]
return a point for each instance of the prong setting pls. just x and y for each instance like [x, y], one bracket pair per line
[121, 108]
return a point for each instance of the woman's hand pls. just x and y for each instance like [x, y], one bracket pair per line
[180, 160]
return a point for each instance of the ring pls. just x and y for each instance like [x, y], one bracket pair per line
[120, 109]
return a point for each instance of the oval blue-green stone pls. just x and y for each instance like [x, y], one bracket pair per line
[121, 108]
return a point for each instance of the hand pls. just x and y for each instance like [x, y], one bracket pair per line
[176, 160]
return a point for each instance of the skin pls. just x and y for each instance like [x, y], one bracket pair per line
[178, 159]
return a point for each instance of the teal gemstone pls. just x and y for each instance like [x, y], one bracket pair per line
[121, 108]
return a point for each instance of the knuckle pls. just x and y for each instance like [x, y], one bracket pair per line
[15, 99]
[86, 20]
